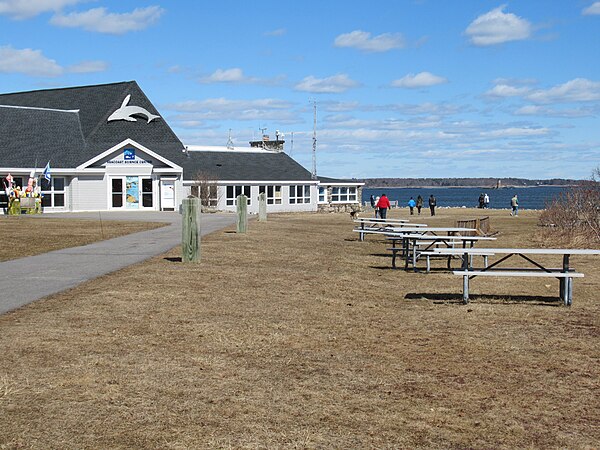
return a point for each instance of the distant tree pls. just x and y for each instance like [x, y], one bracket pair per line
[206, 189]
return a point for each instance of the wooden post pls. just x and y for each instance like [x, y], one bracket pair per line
[242, 213]
[262, 207]
[190, 230]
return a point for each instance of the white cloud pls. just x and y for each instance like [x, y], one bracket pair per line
[577, 90]
[362, 40]
[542, 111]
[593, 9]
[515, 132]
[420, 80]
[24, 9]
[102, 21]
[29, 62]
[88, 67]
[234, 75]
[192, 111]
[496, 27]
[277, 32]
[228, 105]
[506, 90]
[330, 85]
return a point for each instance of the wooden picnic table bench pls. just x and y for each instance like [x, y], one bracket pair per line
[564, 274]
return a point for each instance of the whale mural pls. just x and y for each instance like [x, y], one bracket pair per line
[126, 112]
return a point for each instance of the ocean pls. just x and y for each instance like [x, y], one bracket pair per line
[529, 197]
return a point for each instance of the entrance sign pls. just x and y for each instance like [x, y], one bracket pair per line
[127, 112]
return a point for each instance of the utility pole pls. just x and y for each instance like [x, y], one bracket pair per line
[314, 148]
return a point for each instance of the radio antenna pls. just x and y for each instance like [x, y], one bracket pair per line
[314, 146]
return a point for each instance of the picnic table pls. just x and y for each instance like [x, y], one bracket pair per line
[416, 244]
[381, 225]
[564, 274]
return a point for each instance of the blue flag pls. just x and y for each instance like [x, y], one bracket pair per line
[46, 173]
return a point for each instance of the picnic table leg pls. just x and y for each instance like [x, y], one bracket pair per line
[361, 235]
[414, 255]
[406, 244]
[485, 261]
[465, 289]
[428, 265]
[566, 283]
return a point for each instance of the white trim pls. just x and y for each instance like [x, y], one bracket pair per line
[129, 141]
[348, 183]
[254, 182]
[40, 109]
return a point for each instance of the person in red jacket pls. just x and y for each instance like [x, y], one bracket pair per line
[383, 204]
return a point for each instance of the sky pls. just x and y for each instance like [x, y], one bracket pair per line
[402, 88]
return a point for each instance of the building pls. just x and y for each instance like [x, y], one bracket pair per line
[109, 149]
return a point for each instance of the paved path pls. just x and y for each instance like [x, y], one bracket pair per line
[59, 270]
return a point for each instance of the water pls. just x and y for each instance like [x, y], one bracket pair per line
[529, 198]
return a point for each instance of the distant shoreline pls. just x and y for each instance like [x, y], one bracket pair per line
[468, 187]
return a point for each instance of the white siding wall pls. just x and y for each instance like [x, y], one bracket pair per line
[285, 205]
[89, 193]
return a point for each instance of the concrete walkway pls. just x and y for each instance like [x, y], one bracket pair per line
[26, 280]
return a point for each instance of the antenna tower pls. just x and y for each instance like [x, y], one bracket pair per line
[314, 146]
[229, 141]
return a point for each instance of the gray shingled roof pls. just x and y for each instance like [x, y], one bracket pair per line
[251, 166]
[95, 104]
[69, 139]
[29, 135]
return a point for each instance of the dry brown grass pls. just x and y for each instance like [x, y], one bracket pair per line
[296, 335]
[27, 236]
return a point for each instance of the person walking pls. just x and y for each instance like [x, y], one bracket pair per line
[372, 201]
[411, 205]
[514, 203]
[376, 207]
[432, 204]
[383, 204]
[481, 200]
[486, 201]
[419, 204]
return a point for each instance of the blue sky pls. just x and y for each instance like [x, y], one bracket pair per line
[404, 88]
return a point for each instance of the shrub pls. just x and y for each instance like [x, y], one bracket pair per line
[575, 215]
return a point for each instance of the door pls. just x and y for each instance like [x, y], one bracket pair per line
[167, 195]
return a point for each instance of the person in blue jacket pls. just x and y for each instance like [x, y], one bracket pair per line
[411, 205]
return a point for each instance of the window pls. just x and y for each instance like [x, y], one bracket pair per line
[343, 194]
[234, 191]
[322, 194]
[117, 192]
[53, 192]
[147, 192]
[299, 194]
[273, 194]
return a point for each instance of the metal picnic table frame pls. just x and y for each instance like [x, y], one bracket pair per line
[564, 274]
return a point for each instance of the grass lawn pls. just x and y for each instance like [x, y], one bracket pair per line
[27, 236]
[296, 335]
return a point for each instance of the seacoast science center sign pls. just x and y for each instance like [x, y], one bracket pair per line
[128, 156]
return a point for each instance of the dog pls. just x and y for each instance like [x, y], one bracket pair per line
[353, 215]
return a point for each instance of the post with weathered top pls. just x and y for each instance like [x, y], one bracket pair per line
[242, 213]
[262, 207]
[190, 230]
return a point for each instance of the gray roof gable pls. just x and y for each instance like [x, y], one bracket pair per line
[243, 166]
[30, 136]
[95, 104]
